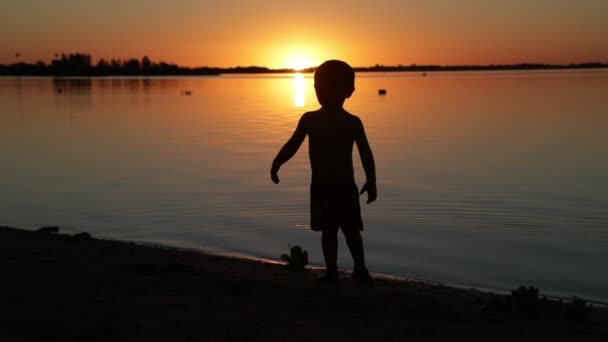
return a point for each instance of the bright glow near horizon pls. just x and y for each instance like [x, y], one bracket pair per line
[297, 56]
[299, 63]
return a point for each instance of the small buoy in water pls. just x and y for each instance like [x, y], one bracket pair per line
[381, 91]
[424, 74]
[59, 91]
[186, 92]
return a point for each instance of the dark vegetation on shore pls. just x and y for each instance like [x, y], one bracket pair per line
[81, 64]
[58, 287]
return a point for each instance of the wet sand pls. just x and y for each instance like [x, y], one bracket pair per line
[56, 287]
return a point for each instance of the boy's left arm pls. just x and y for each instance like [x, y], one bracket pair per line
[369, 166]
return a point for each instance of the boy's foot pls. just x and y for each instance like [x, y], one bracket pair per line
[363, 277]
[329, 276]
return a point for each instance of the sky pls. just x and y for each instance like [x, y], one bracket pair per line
[283, 33]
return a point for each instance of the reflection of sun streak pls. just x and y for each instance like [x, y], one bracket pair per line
[299, 86]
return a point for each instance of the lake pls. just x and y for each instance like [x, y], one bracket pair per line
[485, 179]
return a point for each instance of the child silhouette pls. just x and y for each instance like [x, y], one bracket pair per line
[334, 197]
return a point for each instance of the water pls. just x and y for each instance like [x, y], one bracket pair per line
[493, 179]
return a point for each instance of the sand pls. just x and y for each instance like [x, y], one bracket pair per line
[56, 287]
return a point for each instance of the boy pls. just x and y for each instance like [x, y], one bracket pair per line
[334, 198]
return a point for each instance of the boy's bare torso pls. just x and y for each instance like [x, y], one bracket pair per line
[331, 136]
[332, 133]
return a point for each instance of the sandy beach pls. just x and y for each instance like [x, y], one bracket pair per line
[56, 287]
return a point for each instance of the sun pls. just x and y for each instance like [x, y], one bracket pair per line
[298, 59]
[299, 62]
[295, 56]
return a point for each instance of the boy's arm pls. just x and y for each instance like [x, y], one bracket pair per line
[289, 149]
[369, 166]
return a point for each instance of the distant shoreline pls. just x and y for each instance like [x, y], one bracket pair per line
[164, 69]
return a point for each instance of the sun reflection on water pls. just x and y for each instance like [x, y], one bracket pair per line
[299, 90]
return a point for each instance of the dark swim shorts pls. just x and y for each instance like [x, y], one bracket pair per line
[335, 205]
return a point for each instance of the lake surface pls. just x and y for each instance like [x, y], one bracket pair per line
[488, 179]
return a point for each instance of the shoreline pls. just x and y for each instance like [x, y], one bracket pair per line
[376, 275]
[75, 287]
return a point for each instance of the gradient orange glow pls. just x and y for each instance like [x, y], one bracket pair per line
[281, 34]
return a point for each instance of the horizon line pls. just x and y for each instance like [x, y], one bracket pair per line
[82, 56]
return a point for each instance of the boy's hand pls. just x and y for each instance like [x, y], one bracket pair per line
[274, 176]
[371, 190]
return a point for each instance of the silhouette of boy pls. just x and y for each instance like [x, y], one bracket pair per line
[334, 198]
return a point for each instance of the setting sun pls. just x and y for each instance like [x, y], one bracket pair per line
[298, 56]
[299, 63]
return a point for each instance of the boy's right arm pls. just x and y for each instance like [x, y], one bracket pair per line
[289, 149]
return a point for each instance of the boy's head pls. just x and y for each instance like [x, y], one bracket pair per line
[334, 82]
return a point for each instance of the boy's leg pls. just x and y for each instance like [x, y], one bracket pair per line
[355, 245]
[329, 242]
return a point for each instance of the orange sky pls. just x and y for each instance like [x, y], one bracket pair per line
[281, 33]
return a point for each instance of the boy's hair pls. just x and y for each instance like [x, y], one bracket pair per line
[335, 73]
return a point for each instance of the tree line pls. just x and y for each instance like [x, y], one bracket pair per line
[489, 67]
[80, 64]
